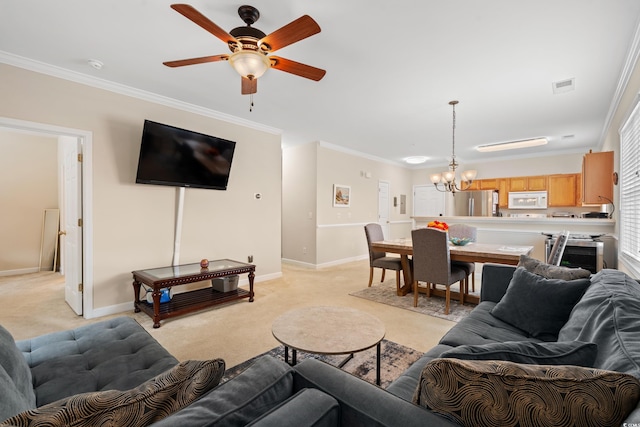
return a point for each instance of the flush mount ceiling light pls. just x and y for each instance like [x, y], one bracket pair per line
[525, 143]
[416, 160]
[448, 179]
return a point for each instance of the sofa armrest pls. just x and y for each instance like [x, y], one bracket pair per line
[308, 407]
[495, 280]
[362, 403]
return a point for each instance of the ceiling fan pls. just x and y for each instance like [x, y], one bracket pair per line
[251, 48]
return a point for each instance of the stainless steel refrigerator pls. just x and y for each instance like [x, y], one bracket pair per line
[476, 203]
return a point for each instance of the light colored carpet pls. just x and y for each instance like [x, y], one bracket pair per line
[33, 304]
[394, 360]
[385, 293]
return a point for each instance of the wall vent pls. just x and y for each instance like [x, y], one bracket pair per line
[563, 86]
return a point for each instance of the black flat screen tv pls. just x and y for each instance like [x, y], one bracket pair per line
[182, 158]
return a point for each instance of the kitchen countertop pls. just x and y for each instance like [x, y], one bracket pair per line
[509, 220]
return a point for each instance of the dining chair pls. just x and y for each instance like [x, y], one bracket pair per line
[432, 264]
[465, 231]
[555, 255]
[374, 233]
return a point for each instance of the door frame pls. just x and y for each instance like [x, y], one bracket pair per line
[86, 139]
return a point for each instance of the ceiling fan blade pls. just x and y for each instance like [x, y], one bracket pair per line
[193, 61]
[297, 68]
[294, 31]
[191, 13]
[249, 86]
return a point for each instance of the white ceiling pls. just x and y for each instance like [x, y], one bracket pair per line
[391, 68]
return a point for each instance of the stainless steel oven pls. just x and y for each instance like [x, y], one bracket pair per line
[581, 251]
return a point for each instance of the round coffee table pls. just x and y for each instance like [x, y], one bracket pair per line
[329, 330]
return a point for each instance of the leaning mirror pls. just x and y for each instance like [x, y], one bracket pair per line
[49, 240]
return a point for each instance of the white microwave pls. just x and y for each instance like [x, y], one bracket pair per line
[528, 200]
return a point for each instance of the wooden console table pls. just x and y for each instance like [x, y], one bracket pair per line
[187, 302]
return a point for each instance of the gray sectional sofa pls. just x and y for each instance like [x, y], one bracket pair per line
[586, 343]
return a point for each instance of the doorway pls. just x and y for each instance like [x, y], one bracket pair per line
[76, 203]
[383, 207]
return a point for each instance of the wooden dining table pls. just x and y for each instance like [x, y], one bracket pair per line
[472, 252]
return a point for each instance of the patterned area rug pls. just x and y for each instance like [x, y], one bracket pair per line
[395, 359]
[385, 293]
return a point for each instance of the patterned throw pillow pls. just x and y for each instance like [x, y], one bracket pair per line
[496, 393]
[149, 402]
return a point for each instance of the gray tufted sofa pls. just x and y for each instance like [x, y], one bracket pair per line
[113, 354]
[119, 354]
[607, 315]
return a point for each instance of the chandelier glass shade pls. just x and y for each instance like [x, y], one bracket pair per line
[249, 63]
[446, 181]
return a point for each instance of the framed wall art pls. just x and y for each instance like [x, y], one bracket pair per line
[341, 196]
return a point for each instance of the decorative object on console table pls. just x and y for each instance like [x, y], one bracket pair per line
[187, 302]
[204, 263]
[225, 284]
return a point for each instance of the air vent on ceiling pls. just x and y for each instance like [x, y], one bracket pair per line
[563, 86]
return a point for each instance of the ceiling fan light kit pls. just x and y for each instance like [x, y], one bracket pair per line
[251, 47]
[249, 63]
[446, 182]
[525, 143]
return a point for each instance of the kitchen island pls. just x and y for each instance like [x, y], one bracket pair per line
[529, 231]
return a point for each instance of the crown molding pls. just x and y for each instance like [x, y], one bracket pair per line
[356, 153]
[627, 70]
[73, 76]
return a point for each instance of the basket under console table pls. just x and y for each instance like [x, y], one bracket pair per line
[187, 302]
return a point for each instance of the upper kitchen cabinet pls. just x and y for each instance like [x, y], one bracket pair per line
[500, 184]
[503, 192]
[597, 178]
[475, 185]
[563, 190]
[489, 184]
[528, 183]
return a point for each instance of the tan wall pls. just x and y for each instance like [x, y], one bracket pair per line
[134, 224]
[340, 233]
[28, 186]
[336, 234]
[299, 165]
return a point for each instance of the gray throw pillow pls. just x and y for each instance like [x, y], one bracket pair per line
[550, 271]
[533, 353]
[537, 305]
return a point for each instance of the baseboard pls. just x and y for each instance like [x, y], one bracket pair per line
[343, 261]
[128, 306]
[298, 263]
[326, 264]
[19, 271]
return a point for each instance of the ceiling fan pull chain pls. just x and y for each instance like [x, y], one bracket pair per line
[250, 102]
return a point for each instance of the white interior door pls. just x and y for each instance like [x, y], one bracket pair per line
[428, 201]
[71, 212]
[383, 207]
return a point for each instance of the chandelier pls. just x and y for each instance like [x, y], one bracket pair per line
[446, 181]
